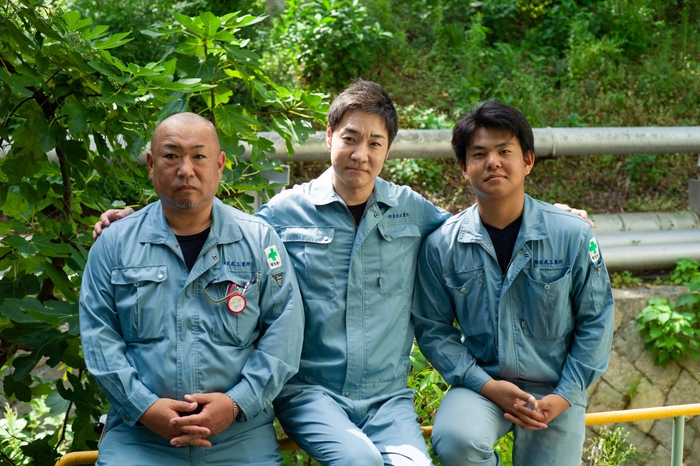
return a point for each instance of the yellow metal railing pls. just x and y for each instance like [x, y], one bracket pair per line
[678, 414]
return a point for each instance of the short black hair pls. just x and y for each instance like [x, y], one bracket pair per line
[491, 115]
[369, 97]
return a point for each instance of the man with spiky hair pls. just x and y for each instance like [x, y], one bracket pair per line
[527, 286]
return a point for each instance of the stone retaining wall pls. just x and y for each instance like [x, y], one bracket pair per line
[633, 381]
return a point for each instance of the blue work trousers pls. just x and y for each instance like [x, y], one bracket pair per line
[467, 425]
[138, 445]
[339, 431]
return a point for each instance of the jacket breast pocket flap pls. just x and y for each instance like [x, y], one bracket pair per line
[469, 293]
[390, 231]
[310, 250]
[141, 301]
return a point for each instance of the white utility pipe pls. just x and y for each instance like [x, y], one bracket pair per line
[426, 143]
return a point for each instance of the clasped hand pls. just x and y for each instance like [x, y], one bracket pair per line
[522, 408]
[168, 418]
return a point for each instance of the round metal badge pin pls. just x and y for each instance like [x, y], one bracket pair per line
[236, 303]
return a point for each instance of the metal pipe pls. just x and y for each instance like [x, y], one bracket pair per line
[677, 441]
[653, 256]
[645, 221]
[425, 143]
[428, 143]
[648, 237]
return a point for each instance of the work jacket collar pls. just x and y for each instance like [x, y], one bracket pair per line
[533, 227]
[157, 231]
[322, 191]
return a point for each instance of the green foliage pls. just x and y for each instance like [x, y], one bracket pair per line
[609, 449]
[687, 271]
[504, 448]
[64, 92]
[673, 331]
[624, 279]
[669, 332]
[38, 429]
[239, 98]
[328, 42]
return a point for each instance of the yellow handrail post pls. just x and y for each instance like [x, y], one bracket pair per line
[677, 441]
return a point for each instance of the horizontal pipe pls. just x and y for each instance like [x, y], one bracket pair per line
[643, 414]
[649, 257]
[645, 238]
[645, 221]
[549, 142]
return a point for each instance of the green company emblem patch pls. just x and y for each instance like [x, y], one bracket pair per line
[594, 250]
[273, 257]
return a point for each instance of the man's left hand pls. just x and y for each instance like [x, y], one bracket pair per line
[216, 415]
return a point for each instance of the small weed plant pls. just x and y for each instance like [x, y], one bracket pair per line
[609, 449]
[686, 271]
[673, 331]
[624, 279]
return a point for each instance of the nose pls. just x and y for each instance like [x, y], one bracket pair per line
[361, 153]
[493, 160]
[185, 170]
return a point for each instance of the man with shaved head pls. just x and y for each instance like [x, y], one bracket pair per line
[190, 316]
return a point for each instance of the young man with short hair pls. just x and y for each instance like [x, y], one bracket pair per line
[527, 285]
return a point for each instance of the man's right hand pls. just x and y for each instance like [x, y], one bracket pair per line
[157, 418]
[506, 396]
[112, 215]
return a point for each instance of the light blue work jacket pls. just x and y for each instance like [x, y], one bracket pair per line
[356, 285]
[549, 320]
[150, 331]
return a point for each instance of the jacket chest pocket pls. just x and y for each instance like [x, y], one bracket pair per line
[398, 252]
[547, 304]
[468, 289]
[141, 296]
[310, 251]
[232, 309]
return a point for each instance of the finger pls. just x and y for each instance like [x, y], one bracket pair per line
[525, 422]
[533, 402]
[200, 398]
[189, 440]
[193, 420]
[194, 430]
[563, 207]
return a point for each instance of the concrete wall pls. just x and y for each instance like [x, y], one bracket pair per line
[633, 381]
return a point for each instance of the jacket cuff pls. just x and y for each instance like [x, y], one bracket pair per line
[139, 402]
[476, 379]
[247, 401]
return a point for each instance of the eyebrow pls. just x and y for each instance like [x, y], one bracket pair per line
[178, 146]
[502, 144]
[352, 130]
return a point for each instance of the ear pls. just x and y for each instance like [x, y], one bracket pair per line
[149, 162]
[529, 161]
[221, 163]
[463, 168]
[329, 136]
[386, 157]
